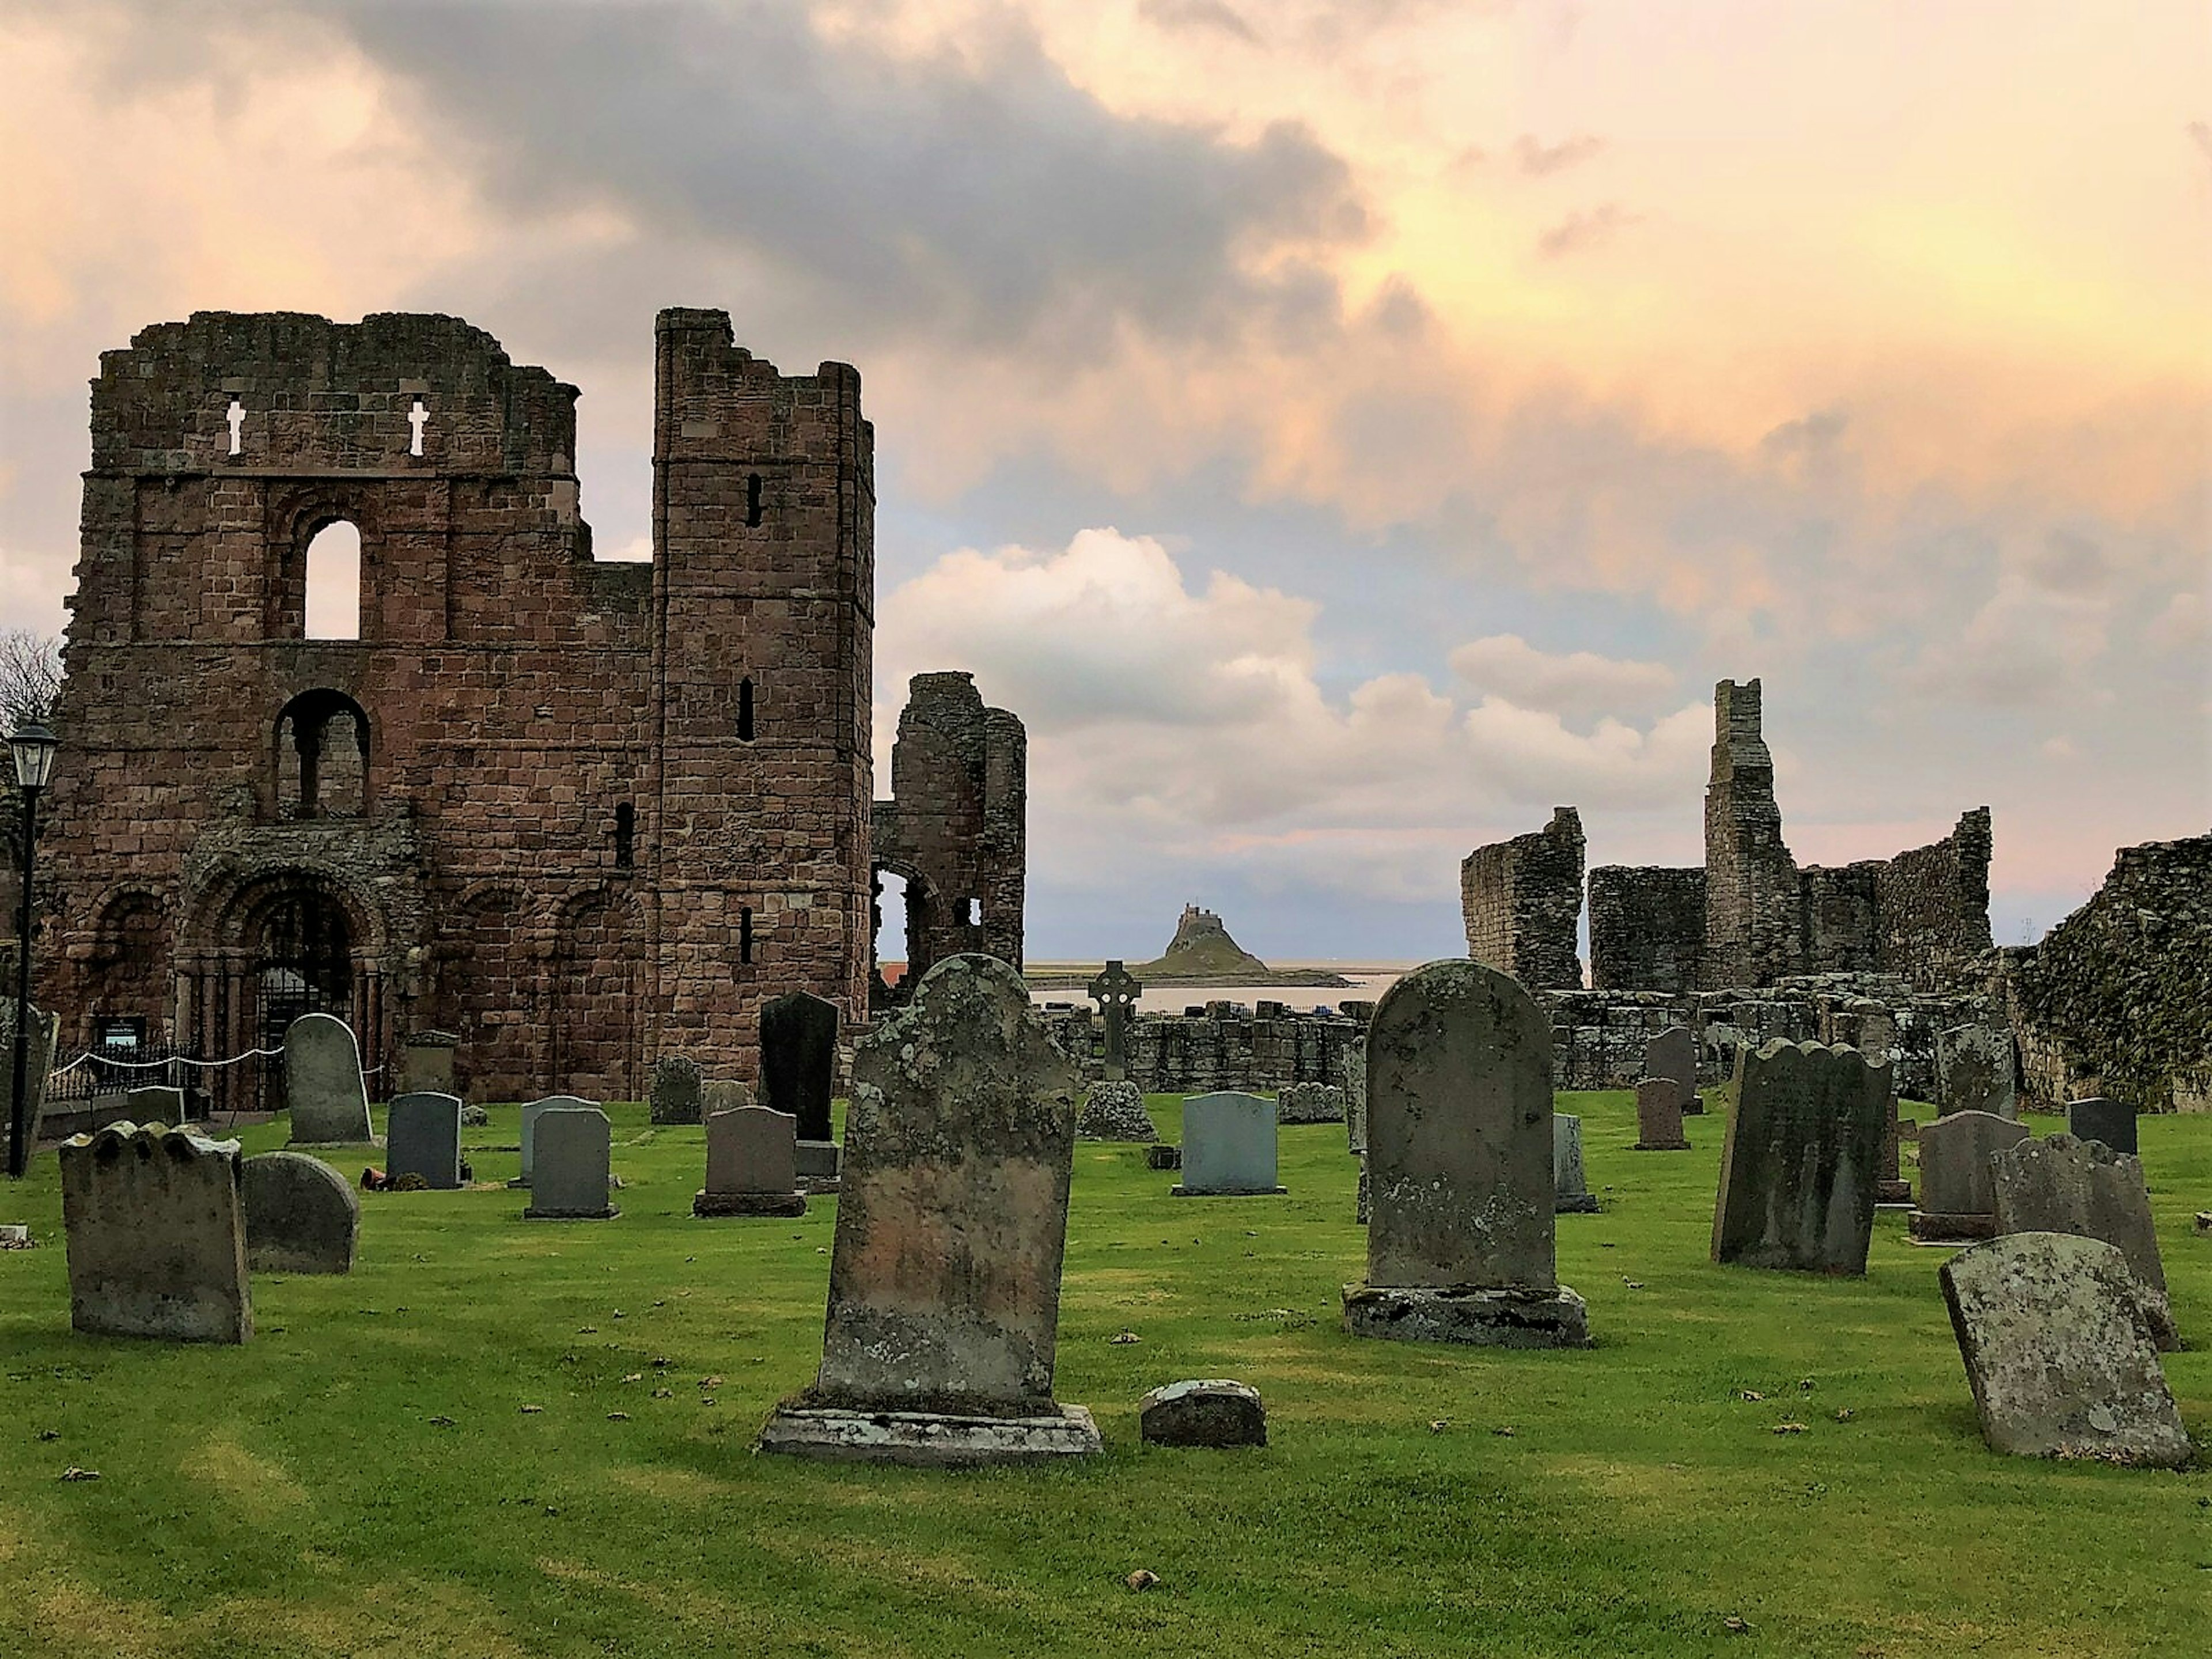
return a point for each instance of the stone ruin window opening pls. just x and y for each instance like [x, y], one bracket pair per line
[890, 951]
[972, 913]
[237, 419]
[625, 836]
[753, 499]
[745, 710]
[332, 609]
[417, 418]
[322, 757]
[745, 937]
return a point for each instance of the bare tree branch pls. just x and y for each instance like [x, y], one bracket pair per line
[30, 676]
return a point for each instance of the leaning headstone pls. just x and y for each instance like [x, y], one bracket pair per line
[1459, 1244]
[1571, 1193]
[154, 1103]
[1973, 1071]
[1800, 1162]
[572, 1169]
[1659, 1115]
[423, 1137]
[534, 1109]
[1227, 1147]
[1674, 1054]
[2059, 1352]
[674, 1098]
[1957, 1194]
[2063, 1185]
[799, 1060]
[1116, 990]
[156, 1234]
[943, 1312]
[2112, 1121]
[1355, 1094]
[725, 1095]
[301, 1216]
[38, 1062]
[1204, 1411]
[752, 1164]
[1310, 1102]
[1115, 1111]
[426, 1063]
[323, 1083]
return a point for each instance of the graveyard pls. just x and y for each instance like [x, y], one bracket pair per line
[503, 1436]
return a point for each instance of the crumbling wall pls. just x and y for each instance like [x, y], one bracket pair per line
[1933, 905]
[2117, 998]
[1752, 902]
[1647, 928]
[1521, 900]
[1226, 1046]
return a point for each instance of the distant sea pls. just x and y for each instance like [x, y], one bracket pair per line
[1369, 980]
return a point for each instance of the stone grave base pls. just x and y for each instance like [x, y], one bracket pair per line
[1694, 1106]
[1894, 1195]
[1556, 1318]
[1660, 1147]
[1934, 1227]
[533, 1214]
[1161, 1155]
[721, 1204]
[819, 1159]
[1576, 1204]
[928, 1439]
[1181, 1191]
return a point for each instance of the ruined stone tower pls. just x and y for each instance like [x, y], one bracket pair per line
[1750, 880]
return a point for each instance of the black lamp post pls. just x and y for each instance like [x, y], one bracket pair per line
[33, 749]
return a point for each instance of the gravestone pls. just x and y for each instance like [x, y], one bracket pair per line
[422, 1136]
[1571, 1193]
[534, 1109]
[38, 1062]
[154, 1103]
[1957, 1194]
[1204, 1411]
[2063, 1185]
[156, 1235]
[1973, 1071]
[1355, 1094]
[1116, 990]
[752, 1164]
[674, 1098]
[1161, 1155]
[2059, 1352]
[301, 1216]
[1459, 1243]
[2112, 1121]
[727, 1096]
[426, 1063]
[1674, 1054]
[323, 1083]
[1310, 1102]
[1659, 1115]
[944, 1307]
[1227, 1147]
[1800, 1162]
[1890, 1189]
[572, 1171]
[1115, 1111]
[799, 1060]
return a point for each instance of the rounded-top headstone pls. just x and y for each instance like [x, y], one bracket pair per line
[676, 1083]
[301, 1216]
[323, 1083]
[1203, 1411]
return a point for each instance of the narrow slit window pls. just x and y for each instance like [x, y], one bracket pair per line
[974, 912]
[625, 836]
[417, 418]
[745, 710]
[753, 498]
[745, 936]
[237, 419]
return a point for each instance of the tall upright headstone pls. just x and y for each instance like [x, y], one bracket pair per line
[1227, 1147]
[1355, 1094]
[38, 1062]
[423, 1137]
[156, 1232]
[1460, 1239]
[752, 1164]
[944, 1307]
[573, 1170]
[1803, 1151]
[674, 1096]
[156, 1102]
[1116, 990]
[1974, 1071]
[799, 1060]
[1571, 1193]
[1659, 1115]
[1672, 1054]
[323, 1083]
[301, 1216]
[426, 1063]
[1957, 1193]
[534, 1109]
[2063, 1185]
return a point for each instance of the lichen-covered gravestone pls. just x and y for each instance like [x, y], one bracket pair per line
[2062, 1185]
[1227, 1147]
[1310, 1102]
[426, 1063]
[423, 1137]
[1355, 1094]
[301, 1216]
[2112, 1121]
[1115, 1111]
[572, 1169]
[2059, 1352]
[323, 1083]
[1973, 1071]
[1672, 1054]
[1571, 1193]
[1212, 1410]
[1801, 1157]
[156, 1234]
[752, 1164]
[1459, 1243]
[1958, 1194]
[534, 1109]
[943, 1310]
[724, 1095]
[675, 1090]
[1659, 1115]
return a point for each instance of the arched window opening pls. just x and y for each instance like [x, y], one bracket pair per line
[753, 498]
[745, 710]
[745, 936]
[322, 757]
[237, 420]
[625, 836]
[417, 418]
[333, 585]
[890, 949]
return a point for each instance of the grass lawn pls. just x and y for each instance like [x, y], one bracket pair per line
[363, 1478]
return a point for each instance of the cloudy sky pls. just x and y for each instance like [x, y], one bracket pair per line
[1342, 429]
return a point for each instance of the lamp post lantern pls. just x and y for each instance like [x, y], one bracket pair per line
[33, 749]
